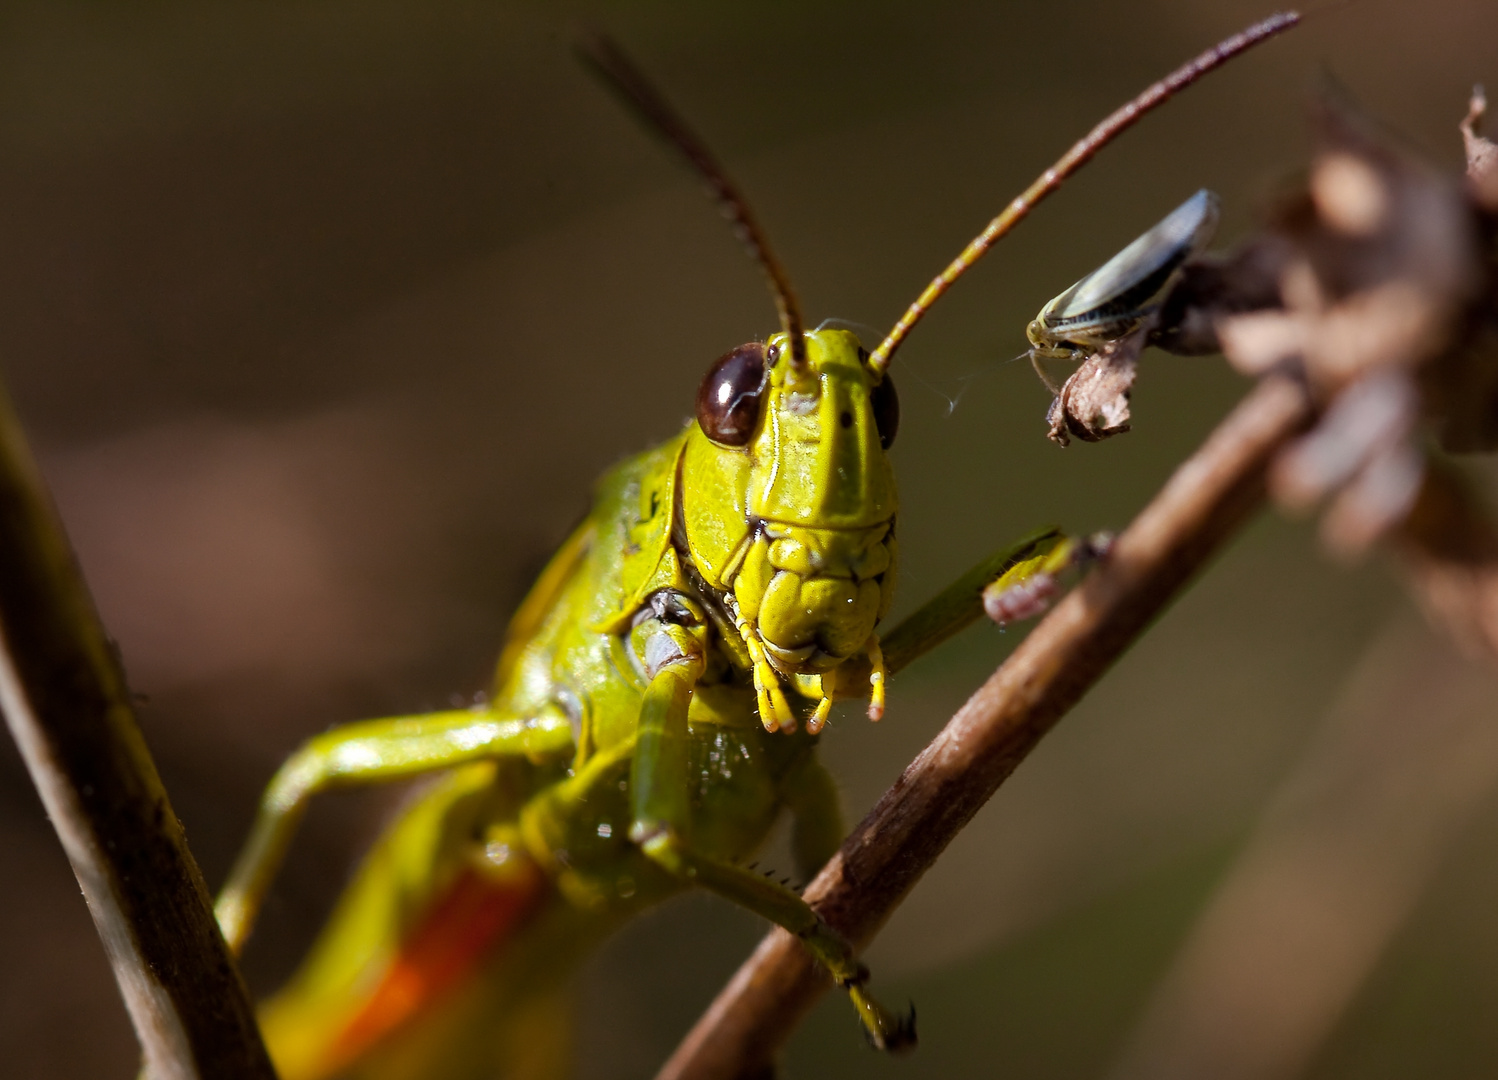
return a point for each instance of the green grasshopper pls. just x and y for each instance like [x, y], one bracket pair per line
[656, 704]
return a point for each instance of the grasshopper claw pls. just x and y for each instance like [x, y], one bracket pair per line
[886, 1033]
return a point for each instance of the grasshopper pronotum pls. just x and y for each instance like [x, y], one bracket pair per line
[657, 701]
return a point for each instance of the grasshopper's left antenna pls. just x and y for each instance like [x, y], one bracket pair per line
[609, 62]
[1048, 181]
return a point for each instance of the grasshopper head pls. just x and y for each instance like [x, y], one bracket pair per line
[788, 496]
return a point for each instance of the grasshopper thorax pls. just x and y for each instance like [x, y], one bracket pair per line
[788, 497]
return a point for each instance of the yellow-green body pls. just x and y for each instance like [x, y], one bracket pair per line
[647, 728]
[657, 703]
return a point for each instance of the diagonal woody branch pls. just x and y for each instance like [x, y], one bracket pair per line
[1383, 318]
[1209, 498]
[67, 705]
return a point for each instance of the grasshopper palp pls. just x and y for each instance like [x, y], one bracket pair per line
[1116, 297]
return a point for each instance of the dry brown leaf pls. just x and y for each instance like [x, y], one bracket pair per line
[1094, 403]
[1482, 153]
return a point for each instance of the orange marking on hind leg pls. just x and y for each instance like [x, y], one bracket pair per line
[451, 941]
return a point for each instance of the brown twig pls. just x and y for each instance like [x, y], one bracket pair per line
[66, 702]
[1377, 285]
[1207, 499]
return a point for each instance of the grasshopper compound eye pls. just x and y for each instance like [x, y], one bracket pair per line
[885, 404]
[729, 398]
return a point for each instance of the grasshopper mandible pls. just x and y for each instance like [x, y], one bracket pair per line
[657, 701]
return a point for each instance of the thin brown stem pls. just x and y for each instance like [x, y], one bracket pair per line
[1208, 498]
[1082, 151]
[66, 702]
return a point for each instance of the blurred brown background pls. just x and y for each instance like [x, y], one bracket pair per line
[324, 316]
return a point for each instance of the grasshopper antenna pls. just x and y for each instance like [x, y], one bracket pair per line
[1117, 122]
[609, 62]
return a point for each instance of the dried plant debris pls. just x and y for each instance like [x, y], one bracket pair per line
[1382, 264]
[1386, 306]
[1375, 283]
[1448, 550]
[1213, 287]
[1093, 404]
[1363, 454]
[1482, 153]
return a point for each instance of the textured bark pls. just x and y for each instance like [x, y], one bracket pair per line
[66, 701]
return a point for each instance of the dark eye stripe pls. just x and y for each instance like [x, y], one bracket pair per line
[885, 404]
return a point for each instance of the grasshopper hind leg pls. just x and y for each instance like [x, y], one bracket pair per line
[370, 752]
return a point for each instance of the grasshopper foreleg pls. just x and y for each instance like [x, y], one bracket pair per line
[662, 815]
[955, 608]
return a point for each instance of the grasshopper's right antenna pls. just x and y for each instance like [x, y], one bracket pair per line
[1070, 162]
[609, 62]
